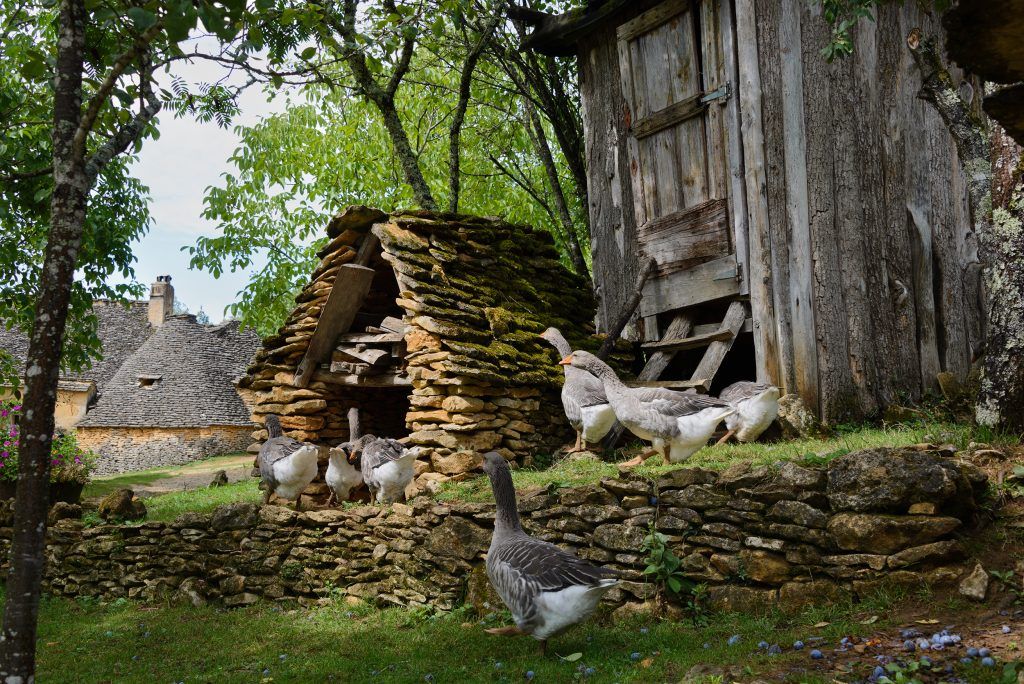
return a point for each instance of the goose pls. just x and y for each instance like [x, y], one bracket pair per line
[677, 424]
[547, 588]
[342, 476]
[756, 404]
[583, 399]
[386, 465]
[287, 466]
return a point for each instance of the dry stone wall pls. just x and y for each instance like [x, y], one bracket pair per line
[757, 537]
[125, 449]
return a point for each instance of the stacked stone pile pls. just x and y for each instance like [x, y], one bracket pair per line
[757, 537]
[472, 294]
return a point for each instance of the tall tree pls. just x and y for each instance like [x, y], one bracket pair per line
[103, 97]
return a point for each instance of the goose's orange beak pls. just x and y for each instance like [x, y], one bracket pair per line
[566, 361]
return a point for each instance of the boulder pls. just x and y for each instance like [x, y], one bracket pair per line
[889, 480]
[734, 599]
[619, 537]
[459, 538]
[220, 478]
[975, 585]
[235, 516]
[684, 477]
[192, 590]
[798, 477]
[764, 567]
[796, 595]
[120, 505]
[458, 462]
[795, 419]
[936, 552]
[62, 510]
[887, 534]
[797, 513]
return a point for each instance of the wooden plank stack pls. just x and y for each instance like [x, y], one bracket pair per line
[444, 348]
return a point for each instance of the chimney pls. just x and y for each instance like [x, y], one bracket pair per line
[161, 300]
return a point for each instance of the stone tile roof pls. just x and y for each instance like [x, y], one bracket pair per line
[182, 376]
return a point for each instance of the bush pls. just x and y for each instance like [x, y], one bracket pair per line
[68, 461]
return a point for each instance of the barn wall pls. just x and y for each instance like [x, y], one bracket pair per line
[873, 290]
[127, 449]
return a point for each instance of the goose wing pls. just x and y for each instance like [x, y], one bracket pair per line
[738, 391]
[274, 450]
[380, 451]
[678, 404]
[524, 568]
[585, 389]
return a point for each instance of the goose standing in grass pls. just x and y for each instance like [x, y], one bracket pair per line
[342, 476]
[756, 404]
[677, 424]
[547, 588]
[287, 466]
[583, 399]
[386, 465]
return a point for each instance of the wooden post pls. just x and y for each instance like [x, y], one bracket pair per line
[347, 295]
[627, 311]
[712, 361]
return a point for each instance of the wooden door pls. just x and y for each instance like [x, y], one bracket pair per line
[673, 80]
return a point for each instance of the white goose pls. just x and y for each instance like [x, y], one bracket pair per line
[583, 399]
[547, 588]
[342, 476]
[386, 465]
[756, 404]
[677, 424]
[287, 466]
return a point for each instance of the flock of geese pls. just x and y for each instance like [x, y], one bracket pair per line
[546, 588]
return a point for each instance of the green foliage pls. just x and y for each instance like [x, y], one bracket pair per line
[68, 461]
[844, 15]
[663, 564]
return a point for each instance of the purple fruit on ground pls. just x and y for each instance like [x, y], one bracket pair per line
[984, 652]
[816, 654]
[988, 662]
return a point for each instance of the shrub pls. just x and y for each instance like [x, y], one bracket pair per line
[68, 461]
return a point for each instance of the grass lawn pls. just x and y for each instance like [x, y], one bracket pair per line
[101, 486]
[126, 642]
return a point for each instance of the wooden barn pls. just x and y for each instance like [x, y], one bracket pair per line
[808, 221]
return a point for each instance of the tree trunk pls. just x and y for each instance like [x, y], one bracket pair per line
[1000, 242]
[406, 155]
[71, 187]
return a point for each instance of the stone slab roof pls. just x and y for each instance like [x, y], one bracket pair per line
[181, 376]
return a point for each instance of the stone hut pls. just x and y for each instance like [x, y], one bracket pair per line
[173, 400]
[429, 323]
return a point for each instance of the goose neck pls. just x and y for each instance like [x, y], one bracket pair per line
[507, 515]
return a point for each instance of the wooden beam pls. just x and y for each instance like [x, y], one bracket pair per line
[709, 365]
[394, 325]
[703, 283]
[361, 354]
[348, 379]
[705, 328]
[347, 295]
[674, 114]
[670, 384]
[369, 338]
[367, 250]
[734, 147]
[692, 342]
[627, 311]
[651, 19]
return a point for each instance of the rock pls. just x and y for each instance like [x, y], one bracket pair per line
[935, 552]
[627, 487]
[459, 538]
[120, 505]
[235, 584]
[458, 462]
[459, 404]
[192, 590]
[795, 595]
[235, 516]
[480, 593]
[797, 513]
[735, 599]
[241, 600]
[62, 510]
[633, 610]
[684, 477]
[741, 476]
[887, 534]
[695, 496]
[795, 419]
[975, 585]
[619, 537]
[923, 508]
[587, 494]
[764, 567]
[356, 217]
[798, 477]
[277, 515]
[220, 478]
[890, 480]
[950, 385]
[704, 672]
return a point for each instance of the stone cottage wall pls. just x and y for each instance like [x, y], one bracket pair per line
[127, 449]
[757, 537]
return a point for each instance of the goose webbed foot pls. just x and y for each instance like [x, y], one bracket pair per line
[637, 460]
[510, 630]
[578, 446]
[544, 647]
[725, 438]
[266, 496]
[298, 502]
[331, 499]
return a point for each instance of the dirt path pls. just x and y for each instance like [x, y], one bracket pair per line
[182, 478]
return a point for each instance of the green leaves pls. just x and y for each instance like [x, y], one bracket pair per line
[844, 15]
[141, 18]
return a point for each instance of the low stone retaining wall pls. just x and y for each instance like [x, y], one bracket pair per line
[757, 537]
[126, 449]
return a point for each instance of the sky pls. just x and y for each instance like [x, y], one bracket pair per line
[188, 157]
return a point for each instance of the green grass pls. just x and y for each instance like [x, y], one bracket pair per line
[167, 507]
[125, 642]
[573, 472]
[101, 486]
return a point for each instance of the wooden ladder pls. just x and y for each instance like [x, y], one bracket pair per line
[681, 335]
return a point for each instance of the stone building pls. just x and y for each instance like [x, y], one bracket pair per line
[430, 324]
[163, 392]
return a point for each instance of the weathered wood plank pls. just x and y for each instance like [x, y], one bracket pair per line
[395, 325]
[698, 385]
[684, 238]
[731, 126]
[692, 342]
[629, 142]
[706, 282]
[369, 356]
[367, 250]
[349, 379]
[713, 357]
[349, 291]
[669, 116]
[370, 338]
[651, 19]
[705, 328]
